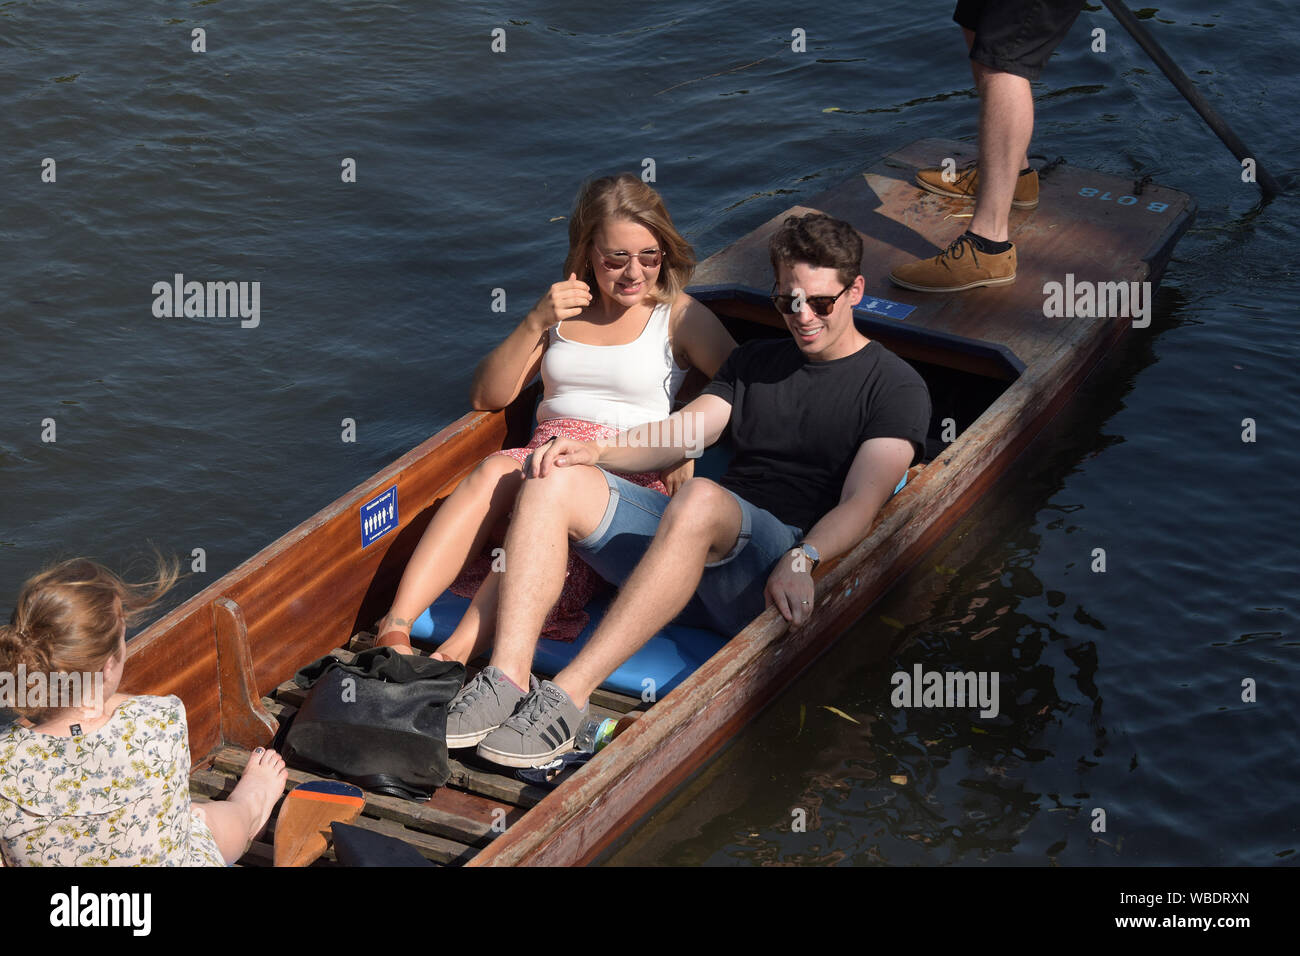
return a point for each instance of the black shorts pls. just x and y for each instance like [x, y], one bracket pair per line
[1016, 36]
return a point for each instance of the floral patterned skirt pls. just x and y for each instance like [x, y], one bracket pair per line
[568, 617]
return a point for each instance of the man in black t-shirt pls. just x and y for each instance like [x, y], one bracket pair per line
[824, 426]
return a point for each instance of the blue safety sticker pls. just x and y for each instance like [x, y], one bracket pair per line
[378, 516]
[890, 310]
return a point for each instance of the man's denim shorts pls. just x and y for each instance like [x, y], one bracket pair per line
[730, 594]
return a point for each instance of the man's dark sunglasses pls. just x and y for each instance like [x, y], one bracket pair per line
[820, 304]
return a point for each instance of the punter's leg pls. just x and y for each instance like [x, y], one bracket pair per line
[700, 524]
[977, 72]
[1015, 37]
[1010, 45]
[1009, 41]
[458, 530]
[1006, 126]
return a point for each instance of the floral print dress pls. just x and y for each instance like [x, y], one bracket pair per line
[118, 796]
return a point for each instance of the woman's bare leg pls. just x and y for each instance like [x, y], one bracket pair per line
[458, 531]
[237, 819]
[473, 635]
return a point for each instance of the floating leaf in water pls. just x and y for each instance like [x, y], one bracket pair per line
[898, 778]
[839, 713]
[944, 569]
[978, 730]
[832, 109]
[803, 712]
[557, 218]
[892, 622]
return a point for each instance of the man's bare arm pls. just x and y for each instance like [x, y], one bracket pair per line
[877, 469]
[649, 447]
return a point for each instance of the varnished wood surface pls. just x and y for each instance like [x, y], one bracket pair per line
[305, 593]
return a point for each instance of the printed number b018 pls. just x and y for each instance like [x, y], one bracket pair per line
[1091, 193]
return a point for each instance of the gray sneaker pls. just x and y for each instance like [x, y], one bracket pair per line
[481, 706]
[541, 729]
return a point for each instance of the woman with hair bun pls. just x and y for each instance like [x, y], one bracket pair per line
[92, 777]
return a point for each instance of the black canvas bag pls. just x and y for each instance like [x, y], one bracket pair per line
[379, 722]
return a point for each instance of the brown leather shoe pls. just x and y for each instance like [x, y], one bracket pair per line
[960, 266]
[967, 180]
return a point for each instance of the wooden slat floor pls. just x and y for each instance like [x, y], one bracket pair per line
[478, 802]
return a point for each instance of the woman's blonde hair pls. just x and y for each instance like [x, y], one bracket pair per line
[627, 198]
[67, 619]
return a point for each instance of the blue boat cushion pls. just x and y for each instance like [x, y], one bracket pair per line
[665, 661]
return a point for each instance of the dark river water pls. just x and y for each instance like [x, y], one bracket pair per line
[1121, 691]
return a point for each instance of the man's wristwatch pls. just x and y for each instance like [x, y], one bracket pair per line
[810, 553]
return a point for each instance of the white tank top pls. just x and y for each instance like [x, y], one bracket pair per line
[617, 385]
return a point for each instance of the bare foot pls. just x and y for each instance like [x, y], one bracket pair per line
[260, 787]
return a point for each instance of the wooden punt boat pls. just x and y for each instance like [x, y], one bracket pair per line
[998, 369]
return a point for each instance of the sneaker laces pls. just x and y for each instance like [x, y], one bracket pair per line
[534, 706]
[474, 690]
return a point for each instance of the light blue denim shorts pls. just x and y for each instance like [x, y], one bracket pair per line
[730, 594]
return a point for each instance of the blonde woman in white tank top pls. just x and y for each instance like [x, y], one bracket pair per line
[613, 343]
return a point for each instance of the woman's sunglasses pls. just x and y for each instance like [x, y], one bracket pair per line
[617, 261]
[820, 304]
